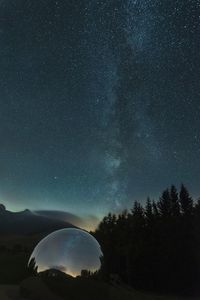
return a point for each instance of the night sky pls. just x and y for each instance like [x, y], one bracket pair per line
[99, 102]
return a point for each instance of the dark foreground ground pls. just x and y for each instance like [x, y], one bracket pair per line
[37, 290]
[13, 270]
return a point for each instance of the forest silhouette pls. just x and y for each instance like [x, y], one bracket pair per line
[155, 247]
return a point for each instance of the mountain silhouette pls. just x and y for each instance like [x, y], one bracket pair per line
[27, 222]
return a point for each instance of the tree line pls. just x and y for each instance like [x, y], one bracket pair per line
[156, 246]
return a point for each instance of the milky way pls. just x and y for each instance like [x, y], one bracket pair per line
[99, 102]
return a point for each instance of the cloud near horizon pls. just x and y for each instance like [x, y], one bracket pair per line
[88, 222]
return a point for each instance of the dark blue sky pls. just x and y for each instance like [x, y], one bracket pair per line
[100, 102]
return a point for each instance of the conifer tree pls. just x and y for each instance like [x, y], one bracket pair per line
[186, 201]
[175, 207]
[164, 204]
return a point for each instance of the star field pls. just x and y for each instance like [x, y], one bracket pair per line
[99, 102]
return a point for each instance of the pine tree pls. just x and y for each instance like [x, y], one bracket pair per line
[149, 212]
[186, 201]
[137, 215]
[175, 207]
[164, 204]
[155, 209]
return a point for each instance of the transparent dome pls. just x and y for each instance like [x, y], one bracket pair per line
[71, 251]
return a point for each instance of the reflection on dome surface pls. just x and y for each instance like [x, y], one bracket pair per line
[71, 251]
